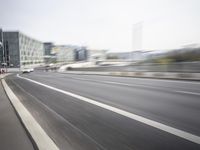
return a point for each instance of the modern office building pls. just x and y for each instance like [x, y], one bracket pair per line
[49, 56]
[64, 53]
[96, 55]
[70, 53]
[48, 48]
[21, 50]
[81, 54]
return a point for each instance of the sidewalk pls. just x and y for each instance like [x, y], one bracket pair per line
[12, 134]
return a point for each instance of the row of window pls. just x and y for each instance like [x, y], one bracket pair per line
[31, 62]
[27, 53]
[24, 40]
[31, 58]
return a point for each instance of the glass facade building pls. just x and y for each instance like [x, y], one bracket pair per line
[21, 50]
[70, 53]
[64, 53]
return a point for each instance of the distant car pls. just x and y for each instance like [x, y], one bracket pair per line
[49, 65]
[26, 70]
[31, 69]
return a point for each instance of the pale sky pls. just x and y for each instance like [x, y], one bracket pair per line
[105, 24]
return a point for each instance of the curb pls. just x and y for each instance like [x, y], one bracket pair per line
[38, 135]
[3, 75]
[156, 75]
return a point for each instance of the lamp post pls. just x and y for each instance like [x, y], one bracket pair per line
[1, 46]
[3, 57]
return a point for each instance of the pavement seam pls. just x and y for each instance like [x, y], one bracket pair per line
[40, 137]
[179, 133]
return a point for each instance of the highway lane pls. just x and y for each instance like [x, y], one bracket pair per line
[173, 85]
[79, 125]
[164, 105]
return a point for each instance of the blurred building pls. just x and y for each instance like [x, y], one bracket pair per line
[64, 53]
[137, 36]
[21, 50]
[48, 48]
[119, 55]
[81, 54]
[96, 55]
[49, 56]
[127, 56]
[69, 53]
[136, 56]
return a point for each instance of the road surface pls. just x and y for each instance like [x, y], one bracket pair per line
[76, 124]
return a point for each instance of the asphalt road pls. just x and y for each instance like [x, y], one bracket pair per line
[77, 125]
[12, 134]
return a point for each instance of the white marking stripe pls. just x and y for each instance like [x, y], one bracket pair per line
[163, 127]
[186, 92]
[40, 137]
[134, 85]
[154, 79]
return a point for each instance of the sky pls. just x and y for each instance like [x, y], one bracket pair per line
[106, 24]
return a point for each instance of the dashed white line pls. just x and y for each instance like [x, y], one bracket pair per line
[154, 79]
[187, 92]
[163, 127]
[135, 85]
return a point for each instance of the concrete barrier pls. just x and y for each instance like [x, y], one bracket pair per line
[37, 133]
[158, 75]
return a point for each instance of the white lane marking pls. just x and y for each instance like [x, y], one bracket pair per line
[59, 116]
[42, 140]
[168, 80]
[135, 85]
[163, 127]
[187, 92]
[117, 83]
[154, 79]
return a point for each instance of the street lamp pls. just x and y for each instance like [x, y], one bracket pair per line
[3, 58]
[1, 46]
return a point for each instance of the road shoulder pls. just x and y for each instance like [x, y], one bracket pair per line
[39, 136]
[13, 135]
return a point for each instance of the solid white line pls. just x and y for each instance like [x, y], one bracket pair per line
[42, 140]
[163, 127]
[59, 116]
